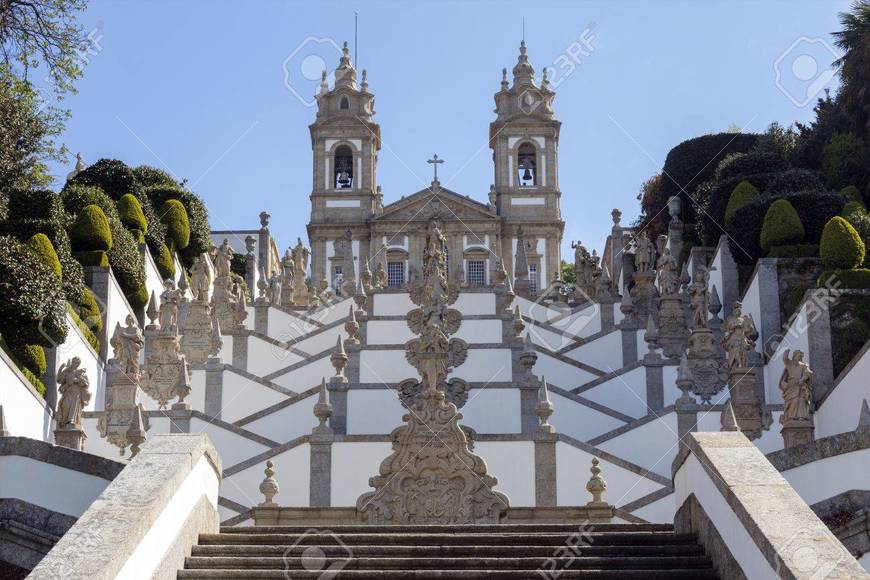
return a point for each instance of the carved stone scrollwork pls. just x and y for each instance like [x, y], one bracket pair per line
[455, 391]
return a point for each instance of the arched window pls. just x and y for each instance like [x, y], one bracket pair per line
[527, 166]
[344, 104]
[343, 169]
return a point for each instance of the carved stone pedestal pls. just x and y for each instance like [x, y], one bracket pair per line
[673, 331]
[199, 337]
[162, 364]
[796, 432]
[70, 437]
[751, 417]
[123, 422]
[224, 302]
[644, 293]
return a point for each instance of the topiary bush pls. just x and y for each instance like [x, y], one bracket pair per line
[852, 193]
[33, 304]
[856, 279]
[85, 327]
[41, 245]
[781, 226]
[174, 217]
[841, 246]
[90, 232]
[742, 195]
[743, 165]
[853, 208]
[794, 180]
[124, 256]
[130, 212]
[149, 176]
[200, 231]
[29, 356]
[165, 264]
[860, 220]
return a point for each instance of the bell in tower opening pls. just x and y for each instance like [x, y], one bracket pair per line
[343, 167]
[526, 165]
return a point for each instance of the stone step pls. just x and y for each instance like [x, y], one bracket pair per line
[241, 550]
[673, 574]
[448, 539]
[351, 562]
[468, 529]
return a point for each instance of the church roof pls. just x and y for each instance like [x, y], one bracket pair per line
[435, 202]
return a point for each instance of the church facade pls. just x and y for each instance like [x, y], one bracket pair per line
[520, 224]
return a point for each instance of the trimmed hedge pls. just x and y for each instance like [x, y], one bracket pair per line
[124, 256]
[781, 227]
[90, 232]
[33, 305]
[794, 251]
[694, 161]
[197, 214]
[41, 245]
[841, 246]
[174, 217]
[89, 326]
[130, 212]
[92, 258]
[845, 160]
[743, 165]
[165, 264]
[742, 195]
[149, 176]
[855, 279]
[795, 180]
[853, 207]
[29, 356]
[852, 193]
[860, 220]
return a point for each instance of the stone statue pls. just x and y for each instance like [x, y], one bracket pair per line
[75, 395]
[492, 199]
[200, 279]
[275, 289]
[223, 259]
[287, 276]
[380, 276]
[299, 255]
[169, 299]
[795, 386]
[644, 254]
[127, 343]
[739, 335]
[699, 295]
[666, 270]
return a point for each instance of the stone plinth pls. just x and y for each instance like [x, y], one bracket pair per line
[795, 432]
[197, 341]
[70, 437]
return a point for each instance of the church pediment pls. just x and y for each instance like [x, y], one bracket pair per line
[435, 203]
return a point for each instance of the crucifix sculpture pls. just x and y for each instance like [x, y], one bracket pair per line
[434, 162]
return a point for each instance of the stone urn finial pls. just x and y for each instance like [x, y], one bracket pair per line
[338, 358]
[544, 408]
[517, 325]
[352, 327]
[596, 485]
[323, 409]
[269, 486]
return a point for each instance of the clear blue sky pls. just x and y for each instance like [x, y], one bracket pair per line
[198, 88]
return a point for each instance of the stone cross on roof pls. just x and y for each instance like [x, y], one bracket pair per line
[435, 161]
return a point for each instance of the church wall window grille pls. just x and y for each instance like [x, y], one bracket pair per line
[527, 165]
[476, 271]
[395, 274]
[343, 168]
[533, 277]
[337, 279]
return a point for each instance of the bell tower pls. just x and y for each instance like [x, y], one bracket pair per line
[524, 139]
[345, 142]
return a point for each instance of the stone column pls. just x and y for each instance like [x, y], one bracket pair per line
[214, 387]
[322, 437]
[655, 388]
[820, 356]
[605, 304]
[251, 267]
[686, 406]
[544, 436]
[770, 325]
[98, 279]
[629, 343]
[240, 348]
[264, 244]
[261, 316]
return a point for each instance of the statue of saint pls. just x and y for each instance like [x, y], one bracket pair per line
[127, 343]
[169, 299]
[287, 274]
[223, 259]
[300, 256]
[200, 279]
[795, 386]
[669, 279]
[738, 337]
[644, 254]
[73, 386]
[275, 289]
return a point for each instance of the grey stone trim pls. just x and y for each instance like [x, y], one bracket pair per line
[655, 388]
[261, 317]
[577, 343]
[691, 516]
[631, 518]
[402, 318]
[297, 365]
[290, 400]
[730, 291]
[648, 499]
[276, 342]
[224, 425]
[261, 380]
[591, 404]
[477, 346]
[634, 424]
[562, 358]
[28, 532]
[115, 524]
[338, 399]
[634, 468]
[770, 324]
[179, 421]
[823, 448]
[769, 509]
[232, 505]
[629, 346]
[214, 388]
[236, 520]
[268, 454]
[528, 400]
[240, 349]
[545, 469]
[606, 377]
[320, 467]
[43, 452]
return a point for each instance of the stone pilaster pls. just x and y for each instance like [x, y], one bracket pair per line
[605, 304]
[214, 387]
[338, 398]
[545, 468]
[179, 420]
[629, 344]
[730, 280]
[770, 325]
[261, 316]
[240, 348]
[747, 401]
[320, 479]
[655, 388]
[98, 279]
[819, 353]
[264, 245]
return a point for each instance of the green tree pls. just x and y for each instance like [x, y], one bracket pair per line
[743, 194]
[782, 226]
[854, 41]
[566, 269]
[845, 160]
[841, 246]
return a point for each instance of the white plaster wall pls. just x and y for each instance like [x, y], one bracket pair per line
[153, 279]
[197, 390]
[669, 381]
[288, 423]
[226, 352]
[751, 304]
[330, 314]
[291, 470]
[825, 478]
[693, 479]
[547, 339]
[373, 411]
[652, 445]
[242, 397]
[625, 393]
[618, 316]
[561, 374]
[513, 464]
[352, 466]
[493, 410]
[583, 323]
[50, 486]
[623, 486]
[25, 412]
[388, 332]
[479, 331]
[306, 376]
[470, 303]
[840, 411]
[579, 421]
[286, 327]
[385, 366]
[865, 561]
[232, 447]
[118, 308]
[322, 341]
[391, 304]
[658, 512]
[600, 353]
[75, 345]
[265, 358]
[484, 365]
[716, 272]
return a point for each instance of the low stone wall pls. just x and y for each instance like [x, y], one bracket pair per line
[749, 519]
[144, 524]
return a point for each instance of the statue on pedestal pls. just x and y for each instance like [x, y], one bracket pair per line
[795, 386]
[380, 276]
[644, 254]
[75, 394]
[200, 279]
[739, 336]
[127, 343]
[666, 271]
[275, 289]
[169, 300]
[299, 254]
[223, 258]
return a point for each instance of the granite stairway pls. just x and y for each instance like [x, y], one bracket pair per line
[511, 551]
